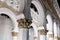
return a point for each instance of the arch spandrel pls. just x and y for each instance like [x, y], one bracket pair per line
[37, 12]
[17, 7]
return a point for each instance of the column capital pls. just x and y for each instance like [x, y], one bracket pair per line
[55, 37]
[21, 23]
[50, 35]
[24, 23]
[14, 33]
[42, 31]
[35, 38]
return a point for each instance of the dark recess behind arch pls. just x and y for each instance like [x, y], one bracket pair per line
[33, 6]
[5, 15]
[58, 3]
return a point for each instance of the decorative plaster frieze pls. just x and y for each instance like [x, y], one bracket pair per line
[4, 5]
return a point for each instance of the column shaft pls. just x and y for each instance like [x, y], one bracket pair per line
[22, 35]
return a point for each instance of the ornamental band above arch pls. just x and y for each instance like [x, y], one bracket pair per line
[4, 5]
